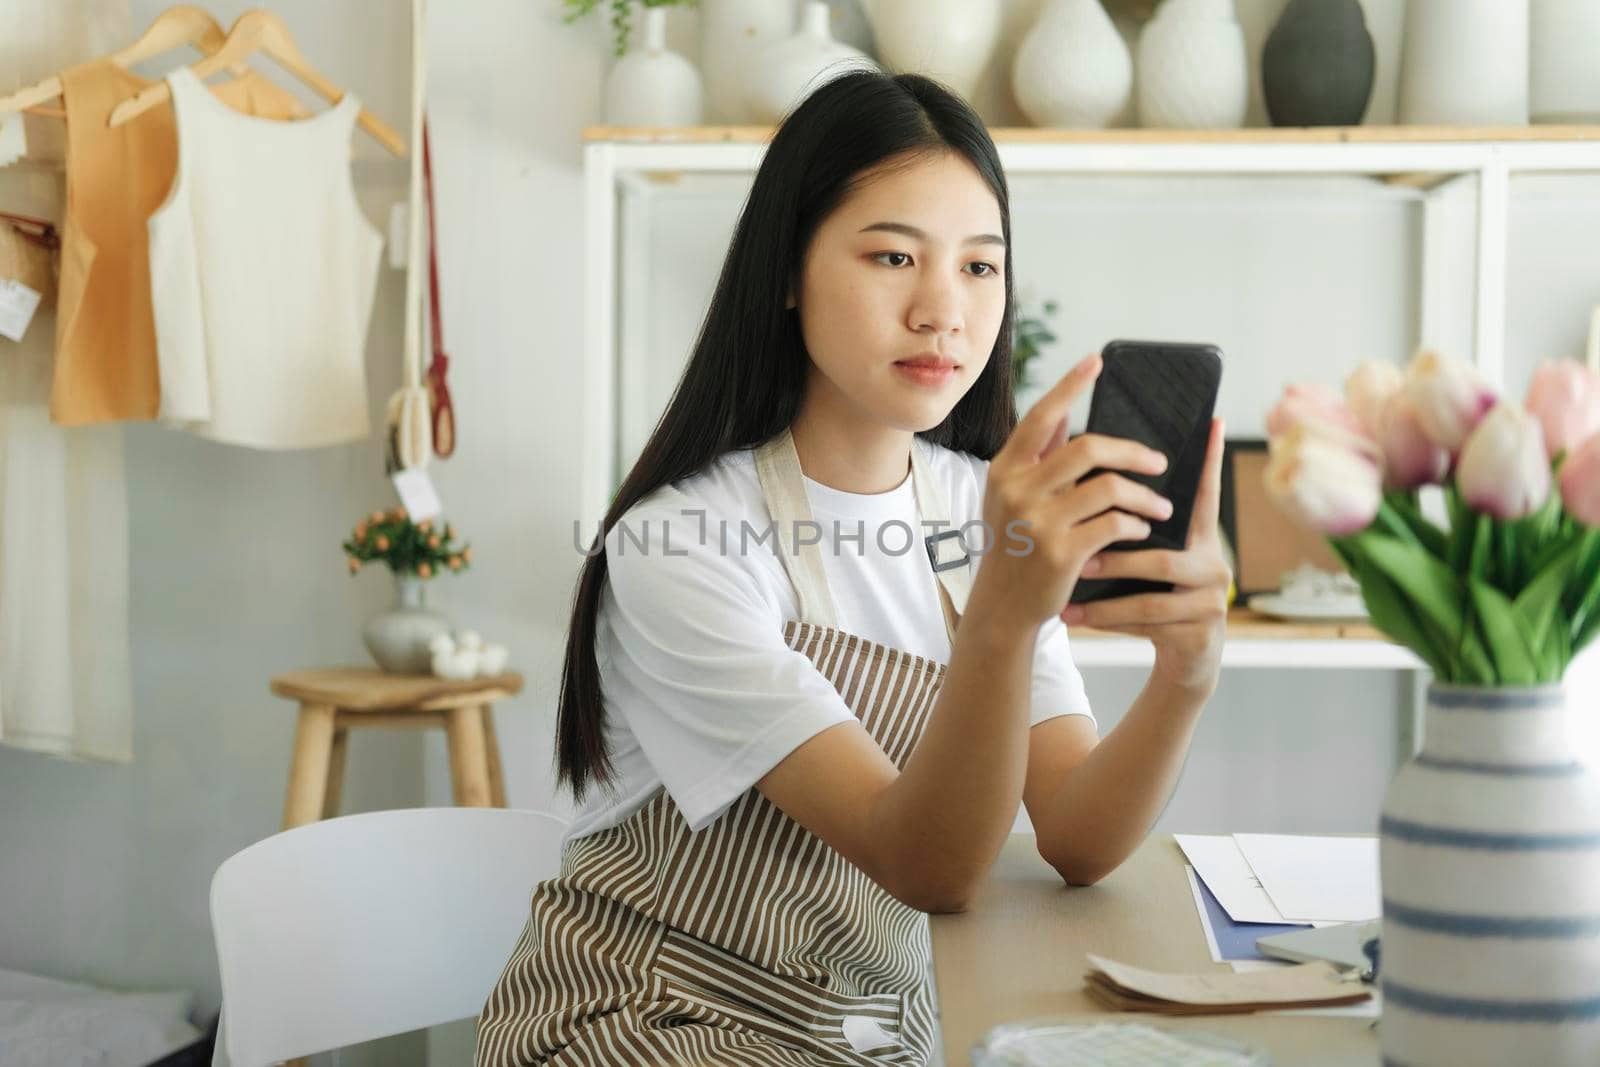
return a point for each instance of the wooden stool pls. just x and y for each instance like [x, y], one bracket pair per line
[337, 700]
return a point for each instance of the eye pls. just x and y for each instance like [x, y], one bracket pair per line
[989, 268]
[880, 255]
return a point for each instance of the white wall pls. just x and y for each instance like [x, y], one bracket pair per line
[236, 567]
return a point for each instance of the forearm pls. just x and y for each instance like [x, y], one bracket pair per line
[954, 803]
[1101, 811]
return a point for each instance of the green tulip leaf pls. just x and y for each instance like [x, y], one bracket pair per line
[1516, 662]
[1393, 617]
[1538, 605]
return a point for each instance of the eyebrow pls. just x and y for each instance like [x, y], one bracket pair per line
[912, 231]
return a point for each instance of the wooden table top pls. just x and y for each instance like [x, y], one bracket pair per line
[1018, 953]
[1244, 624]
[370, 689]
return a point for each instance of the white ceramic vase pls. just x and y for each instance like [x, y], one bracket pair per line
[1193, 69]
[1564, 61]
[1489, 852]
[785, 73]
[948, 40]
[1465, 63]
[848, 24]
[732, 32]
[398, 637]
[651, 86]
[1073, 69]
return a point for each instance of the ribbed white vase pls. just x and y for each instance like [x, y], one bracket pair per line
[1490, 865]
[1073, 69]
[732, 32]
[1465, 62]
[948, 40]
[651, 86]
[1193, 69]
[786, 73]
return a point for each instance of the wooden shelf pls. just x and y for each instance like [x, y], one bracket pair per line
[1249, 136]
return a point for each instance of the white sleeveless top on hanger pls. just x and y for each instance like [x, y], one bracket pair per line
[262, 271]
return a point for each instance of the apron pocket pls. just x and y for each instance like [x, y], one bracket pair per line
[700, 970]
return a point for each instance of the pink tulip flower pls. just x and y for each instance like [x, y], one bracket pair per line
[1367, 391]
[1565, 397]
[1449, 397]
[1325, 477]
[1580, 481]
[1410, 457]
[1503, 470]
[1313, 401]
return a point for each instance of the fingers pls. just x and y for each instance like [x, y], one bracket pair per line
[1208, 498]
[1077, 542]
[1154, 609]
[1161, 565]
[1044, 426]
[1106, 491]
[1064, 467]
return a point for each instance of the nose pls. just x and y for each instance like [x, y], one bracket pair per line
[936, 304]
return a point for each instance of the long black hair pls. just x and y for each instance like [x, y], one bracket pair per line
[746, 376]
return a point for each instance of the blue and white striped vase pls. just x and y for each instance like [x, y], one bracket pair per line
[1490, 864]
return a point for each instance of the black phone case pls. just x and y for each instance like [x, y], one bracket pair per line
[1161, 394]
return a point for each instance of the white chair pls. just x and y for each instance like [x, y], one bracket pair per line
[363, 926]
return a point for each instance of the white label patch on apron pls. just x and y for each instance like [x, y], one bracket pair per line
[866, 1034]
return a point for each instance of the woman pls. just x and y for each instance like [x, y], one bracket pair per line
[814, 731]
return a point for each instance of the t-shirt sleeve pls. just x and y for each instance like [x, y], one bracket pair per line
[1057, 687]
[699, 668]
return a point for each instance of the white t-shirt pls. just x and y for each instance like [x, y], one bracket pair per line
[701, 693]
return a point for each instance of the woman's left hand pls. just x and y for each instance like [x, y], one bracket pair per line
[1187, 625]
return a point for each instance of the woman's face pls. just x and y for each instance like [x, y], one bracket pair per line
[909, 267]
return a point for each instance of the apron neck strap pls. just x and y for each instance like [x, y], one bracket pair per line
[783, 485]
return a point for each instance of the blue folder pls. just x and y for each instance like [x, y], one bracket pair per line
[1237, 941]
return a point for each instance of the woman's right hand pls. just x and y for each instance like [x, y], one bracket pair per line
[1034, 493]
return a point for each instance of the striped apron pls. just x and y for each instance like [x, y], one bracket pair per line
[751, 941]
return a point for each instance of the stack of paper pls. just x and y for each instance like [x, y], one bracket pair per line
[1304, 985]
[1251, 885]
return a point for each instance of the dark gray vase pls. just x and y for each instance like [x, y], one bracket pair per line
[1318, 64]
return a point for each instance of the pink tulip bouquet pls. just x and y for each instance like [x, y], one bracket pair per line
[1509, 590]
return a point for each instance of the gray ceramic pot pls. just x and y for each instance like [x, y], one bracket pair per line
[398, 636]
[1318, 64]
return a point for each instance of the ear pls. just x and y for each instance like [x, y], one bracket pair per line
[788, 300]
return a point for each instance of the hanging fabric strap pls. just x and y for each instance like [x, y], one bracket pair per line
[407, 426]
[444, 412]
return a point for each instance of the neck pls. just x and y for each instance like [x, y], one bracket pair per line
[851, 455]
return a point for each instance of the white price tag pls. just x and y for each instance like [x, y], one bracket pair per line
[17, 305]
[417, 494]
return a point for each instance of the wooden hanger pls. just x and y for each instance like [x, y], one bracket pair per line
[259, 31]
[174, 27]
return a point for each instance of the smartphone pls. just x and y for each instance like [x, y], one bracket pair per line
[1161, 394]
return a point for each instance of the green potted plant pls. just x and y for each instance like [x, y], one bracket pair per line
[1028, 340]
[398, 637]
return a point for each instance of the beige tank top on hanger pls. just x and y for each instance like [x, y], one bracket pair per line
[105, 365]
[263, 268]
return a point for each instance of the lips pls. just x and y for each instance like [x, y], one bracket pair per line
[928, 362]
